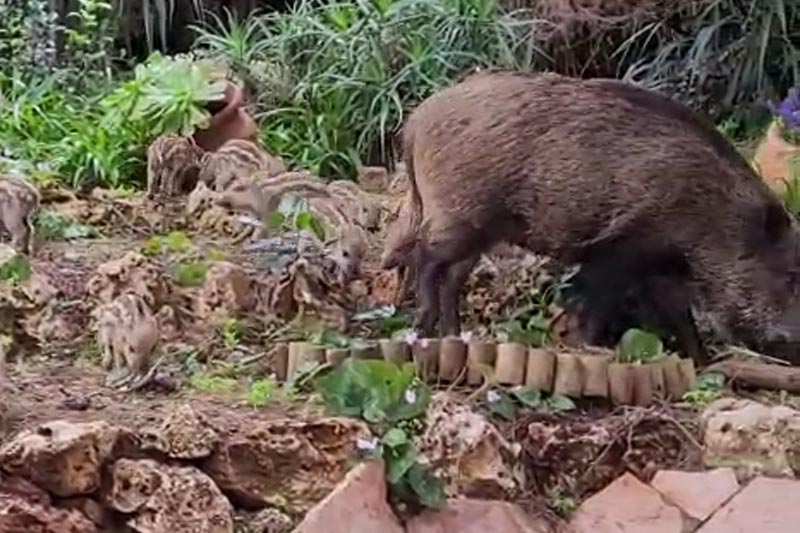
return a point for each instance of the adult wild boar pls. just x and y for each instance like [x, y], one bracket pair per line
[647, 197]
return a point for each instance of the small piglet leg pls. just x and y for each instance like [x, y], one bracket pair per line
[21, 230]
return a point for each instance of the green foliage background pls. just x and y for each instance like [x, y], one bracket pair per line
[333, 81]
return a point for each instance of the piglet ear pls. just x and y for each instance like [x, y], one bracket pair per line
[776, 221]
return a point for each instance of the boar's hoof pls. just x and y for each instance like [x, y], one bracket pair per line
[425, 322]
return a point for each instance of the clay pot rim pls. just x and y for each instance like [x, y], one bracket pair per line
[232, 98]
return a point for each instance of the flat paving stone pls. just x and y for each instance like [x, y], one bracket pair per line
[766, 505]
[628, 506]
[475, 516]
[698, 494]
[356, 505]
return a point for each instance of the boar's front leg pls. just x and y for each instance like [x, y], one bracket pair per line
[670, 298]
[451, 294]
[436, 257]
[429, 272]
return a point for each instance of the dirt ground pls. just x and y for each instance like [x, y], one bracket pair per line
[63, 379]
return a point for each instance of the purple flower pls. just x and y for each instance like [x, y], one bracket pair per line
[789, 110]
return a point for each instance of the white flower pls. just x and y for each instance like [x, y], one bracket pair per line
[424, 343]
[411, 396]
[367, 444]
[492, 397]
[410, 337]
[466, 336]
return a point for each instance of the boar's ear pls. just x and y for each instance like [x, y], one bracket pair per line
[775, 221]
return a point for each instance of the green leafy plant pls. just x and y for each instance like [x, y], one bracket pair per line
[338, 78]
[718, 54]
[329, 338]
[166, 95]
[176, 242]
[53, 225]
[231, 331]
[89, 38]
[637, 345]
[561, 502]
[385, 395]
[293, 215]
[791, 193]
[212, 384]
[531, 324]
[707, 389]
[190, 273]
[533, 331]
[233, 40]
[16, 269]
[505, 402]
[260, 392]
[27, 36]
[386, 321]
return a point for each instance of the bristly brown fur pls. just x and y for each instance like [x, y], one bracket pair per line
[334, 204]
[19, 202]
[606, 174]
[237, 160]
[172, 165]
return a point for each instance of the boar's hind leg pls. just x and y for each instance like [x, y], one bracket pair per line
[600, 301]
[450, 294]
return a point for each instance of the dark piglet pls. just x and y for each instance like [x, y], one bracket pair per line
[647, 197]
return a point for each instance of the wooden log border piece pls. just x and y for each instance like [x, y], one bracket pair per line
[589, 373]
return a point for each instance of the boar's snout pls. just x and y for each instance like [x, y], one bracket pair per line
[785, 329]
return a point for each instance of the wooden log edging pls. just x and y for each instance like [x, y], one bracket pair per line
[574, 373]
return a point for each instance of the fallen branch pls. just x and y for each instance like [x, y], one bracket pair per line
[759, 375]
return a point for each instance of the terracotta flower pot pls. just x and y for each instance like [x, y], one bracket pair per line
[229, 120]
[773, 157]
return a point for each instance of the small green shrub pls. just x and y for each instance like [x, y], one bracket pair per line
[53, 225]
[101, 135]
[212, 384]
[231, 331]
[191, 273]
[260, 392]
[505, 403]
[637, 345]
[17, 269]
[707, 389]
[339, 78]
[386, 396]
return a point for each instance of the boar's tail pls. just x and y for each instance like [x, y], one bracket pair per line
[408, 155]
